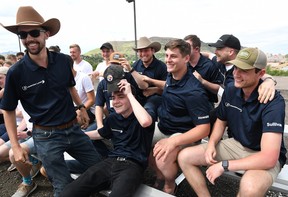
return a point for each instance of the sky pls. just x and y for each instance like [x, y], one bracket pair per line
[89, 23]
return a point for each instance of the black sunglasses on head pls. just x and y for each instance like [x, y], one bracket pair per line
[34, 33]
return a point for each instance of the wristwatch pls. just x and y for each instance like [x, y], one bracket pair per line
[132, 70]
[80, 106]
[225, 165]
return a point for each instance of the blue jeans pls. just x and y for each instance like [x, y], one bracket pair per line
[50, 146]
[122, 177]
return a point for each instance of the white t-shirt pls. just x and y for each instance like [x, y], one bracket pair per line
[84, 67]
[84, 85]
[26, 117]
[101, 67]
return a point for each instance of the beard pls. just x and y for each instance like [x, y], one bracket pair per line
[34, 50]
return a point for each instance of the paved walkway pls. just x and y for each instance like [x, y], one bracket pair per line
[282, 83]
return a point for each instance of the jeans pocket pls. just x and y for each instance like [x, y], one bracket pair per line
[42, 135]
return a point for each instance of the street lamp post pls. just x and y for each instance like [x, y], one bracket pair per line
[135, 30]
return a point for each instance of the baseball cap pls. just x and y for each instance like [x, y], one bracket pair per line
[114, 58]
[113, 75]
[107, 45]
[250, 58]
[4, 70]
[227, 40]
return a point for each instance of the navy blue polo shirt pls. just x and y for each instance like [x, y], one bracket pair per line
[209, 71]
[184, 105]
[43, 92]
[129, 138]
[247, 120]
[156, 70]
[103, 96]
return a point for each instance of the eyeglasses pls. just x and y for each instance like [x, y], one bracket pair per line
[34, 33]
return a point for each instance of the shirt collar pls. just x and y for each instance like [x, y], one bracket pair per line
[32, 65]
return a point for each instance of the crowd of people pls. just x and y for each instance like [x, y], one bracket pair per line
[122, 118]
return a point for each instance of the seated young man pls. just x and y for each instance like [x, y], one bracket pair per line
[256, 144]
[183, 114]
[131, 130]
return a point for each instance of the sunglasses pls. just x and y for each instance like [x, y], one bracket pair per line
[34, 33]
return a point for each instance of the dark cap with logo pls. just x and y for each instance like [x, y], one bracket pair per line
[249, 58]
[227, 40]
[113, 75]
[107, 45]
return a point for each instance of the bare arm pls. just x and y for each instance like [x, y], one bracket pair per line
[99, 115]
[82, 115]
[166, 146]
[90, 99]
[137, 77]
[141, 114]
[152, 90]
[155, 82]
[266, 158]
[20, 154]
[94, 135]
[217, 132]
[212, 87]
[216, 135]
[267, 89]
[22, 126]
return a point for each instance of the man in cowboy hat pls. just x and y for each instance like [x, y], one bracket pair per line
[44, 83]
[148, 66]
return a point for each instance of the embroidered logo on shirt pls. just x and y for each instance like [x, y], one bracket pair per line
[203, 117]
[24, 88]
[274, 124]
[117, 130]
[233, 106]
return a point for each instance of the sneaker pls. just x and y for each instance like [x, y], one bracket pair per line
[35, 169]
[11, 168]
[25, 190]
[43, 171]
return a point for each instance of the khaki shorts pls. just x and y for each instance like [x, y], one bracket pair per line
[158, 135]
[230, 149]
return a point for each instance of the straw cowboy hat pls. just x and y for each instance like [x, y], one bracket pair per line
[144, 43]
[28, 16]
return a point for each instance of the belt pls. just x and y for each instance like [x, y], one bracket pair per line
[129, 160]
[125, 159]
[61, 127]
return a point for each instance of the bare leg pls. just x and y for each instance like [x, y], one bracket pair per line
[190, 159]
[252, 185]
[23, 168]
[4, 153]
[159, 175]
[2, 142]
[169, 169]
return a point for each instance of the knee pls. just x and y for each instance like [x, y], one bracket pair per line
[249, 188]
[11, 156]
[247, 191]
[183, 157]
